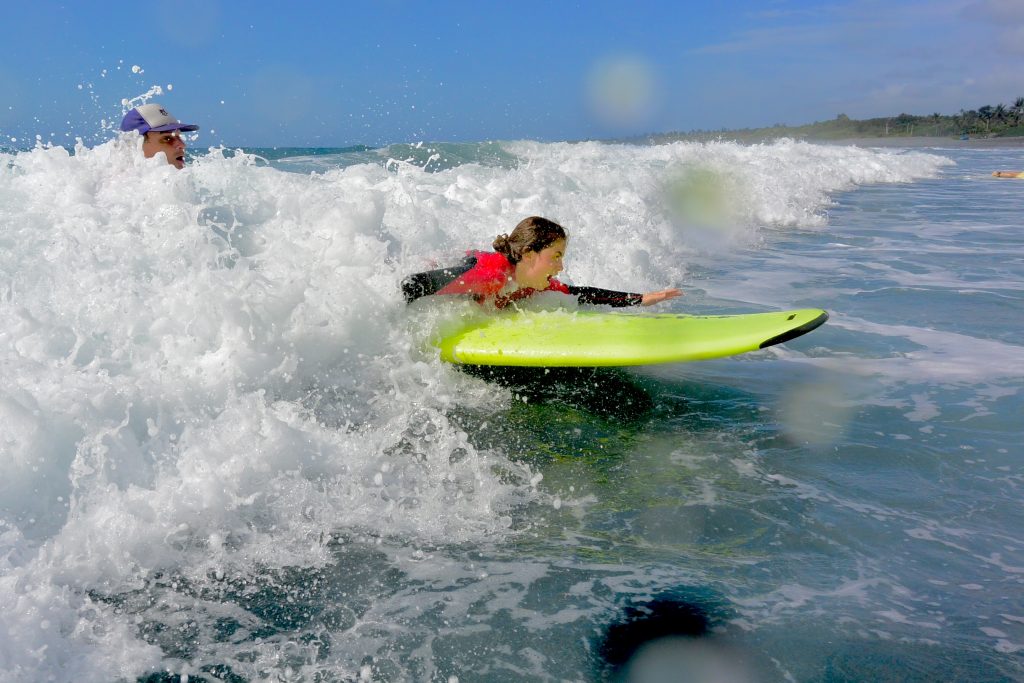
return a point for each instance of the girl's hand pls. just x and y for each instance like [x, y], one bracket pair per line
[651, 298]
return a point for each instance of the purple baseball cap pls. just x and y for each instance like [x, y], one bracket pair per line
[153, 117]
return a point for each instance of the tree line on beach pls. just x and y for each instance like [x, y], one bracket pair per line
[998, 120]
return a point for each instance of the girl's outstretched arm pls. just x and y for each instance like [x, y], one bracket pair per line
[594, 296]
[608, 297]
[651, 298]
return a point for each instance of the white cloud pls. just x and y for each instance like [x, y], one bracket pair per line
[996, 11]
[1011, 40]
[770, 38]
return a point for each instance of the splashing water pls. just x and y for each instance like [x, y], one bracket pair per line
[228, 448]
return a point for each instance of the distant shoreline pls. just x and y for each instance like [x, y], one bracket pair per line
[908, 141]
[921, 141]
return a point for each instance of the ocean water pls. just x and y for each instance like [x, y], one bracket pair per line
[228, 451]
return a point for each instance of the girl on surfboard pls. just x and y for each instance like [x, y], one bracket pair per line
[522, 263]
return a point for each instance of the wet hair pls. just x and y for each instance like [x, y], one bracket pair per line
[532, 234]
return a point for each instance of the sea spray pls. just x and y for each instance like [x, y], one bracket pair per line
[213, 393]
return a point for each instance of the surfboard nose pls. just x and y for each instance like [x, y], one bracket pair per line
[796, 331]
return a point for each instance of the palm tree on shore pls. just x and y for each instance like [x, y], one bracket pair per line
[999, 113]
[985, 114]
[1018, 110]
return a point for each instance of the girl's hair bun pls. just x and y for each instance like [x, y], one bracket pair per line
[501, 245]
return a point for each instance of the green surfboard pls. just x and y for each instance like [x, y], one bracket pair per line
[587, 339]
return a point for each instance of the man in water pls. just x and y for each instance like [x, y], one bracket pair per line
[161, 132]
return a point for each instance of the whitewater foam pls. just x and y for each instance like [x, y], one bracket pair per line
[210, 373]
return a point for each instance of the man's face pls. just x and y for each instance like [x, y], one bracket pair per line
[169, 142]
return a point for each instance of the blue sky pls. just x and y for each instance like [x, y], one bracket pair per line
[375, 72]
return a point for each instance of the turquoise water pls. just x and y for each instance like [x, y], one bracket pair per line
[228, 454]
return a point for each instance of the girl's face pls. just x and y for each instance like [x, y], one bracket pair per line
[535, 268]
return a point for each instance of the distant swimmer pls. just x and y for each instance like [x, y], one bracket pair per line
[1008, 174]
[161, 132]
